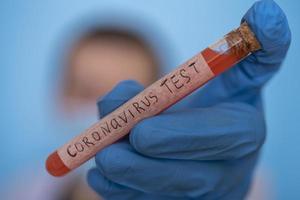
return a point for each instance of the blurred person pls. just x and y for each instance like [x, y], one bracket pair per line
[94, 61]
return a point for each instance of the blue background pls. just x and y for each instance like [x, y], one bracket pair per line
[30, 31]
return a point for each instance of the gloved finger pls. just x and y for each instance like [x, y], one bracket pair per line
[121, 93]
[121, 164]
[244, 81]
[222, 132]
[107, 189]
[110, 190]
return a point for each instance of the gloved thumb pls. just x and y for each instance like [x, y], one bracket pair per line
[270, 25]
[121, 93]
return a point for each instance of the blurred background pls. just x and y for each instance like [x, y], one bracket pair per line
[58, 57]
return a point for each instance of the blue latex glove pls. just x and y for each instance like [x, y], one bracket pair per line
[205, 147]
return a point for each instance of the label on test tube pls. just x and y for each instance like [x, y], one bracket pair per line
[153, 100]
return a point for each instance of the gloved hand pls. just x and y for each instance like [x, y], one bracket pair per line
[205, 147]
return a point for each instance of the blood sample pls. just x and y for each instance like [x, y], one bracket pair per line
[163, 93]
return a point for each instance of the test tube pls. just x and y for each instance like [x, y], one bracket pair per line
[159, 96]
